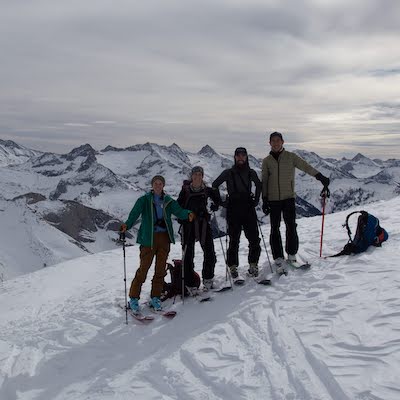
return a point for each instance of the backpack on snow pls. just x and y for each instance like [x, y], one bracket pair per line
[174, 288]
[368, 233]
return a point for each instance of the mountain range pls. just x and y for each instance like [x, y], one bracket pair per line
[54, 207]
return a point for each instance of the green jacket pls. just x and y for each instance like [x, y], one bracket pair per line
[144, 206]
[278, 175]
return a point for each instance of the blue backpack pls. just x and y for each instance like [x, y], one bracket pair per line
[368, 233]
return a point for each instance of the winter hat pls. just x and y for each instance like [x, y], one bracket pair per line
[278, 134]
[159, 178]
[240, 150]
[197, 168]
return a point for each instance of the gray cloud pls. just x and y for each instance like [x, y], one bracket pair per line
[201, 72]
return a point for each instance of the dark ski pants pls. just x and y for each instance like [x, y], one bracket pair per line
[287, 208]
[243, 218]
[209, 260]
[160, 249]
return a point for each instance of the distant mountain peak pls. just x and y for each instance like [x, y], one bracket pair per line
[85, 150]
[207, 151]
[10, 144]
[359, 157]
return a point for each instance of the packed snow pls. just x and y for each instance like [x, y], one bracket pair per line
[332, 332]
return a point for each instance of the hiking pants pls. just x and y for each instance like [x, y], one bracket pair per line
[160, 249]
[207, 244]
[244, 218]
[288, 209]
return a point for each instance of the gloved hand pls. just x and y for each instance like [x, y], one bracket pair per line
[123, 228]
[255, 203]
[214, 207]
[191, 216]
[265, 207]
[323, 179]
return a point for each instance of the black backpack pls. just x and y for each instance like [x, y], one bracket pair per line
[174, 288]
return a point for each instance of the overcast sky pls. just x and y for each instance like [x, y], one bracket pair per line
[325, 73]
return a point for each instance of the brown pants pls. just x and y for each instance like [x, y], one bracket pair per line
[160, 249]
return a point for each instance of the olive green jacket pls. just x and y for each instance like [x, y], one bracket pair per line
[278, 175]
[144, 206]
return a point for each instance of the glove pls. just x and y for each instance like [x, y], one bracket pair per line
[123, 228]
[265, 207]
[323, 179]
[191, 216]
[214, 207]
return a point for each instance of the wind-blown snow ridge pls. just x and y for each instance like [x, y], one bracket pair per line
[328, 333]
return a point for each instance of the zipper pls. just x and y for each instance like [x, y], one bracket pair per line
[152, 219]
[279, 181]
[164, 215]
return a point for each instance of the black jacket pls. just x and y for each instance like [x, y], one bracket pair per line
[239, 182]
[197, 201]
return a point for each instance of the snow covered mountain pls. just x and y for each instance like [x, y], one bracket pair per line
[329, 333]
[106, 183]
[12, 153]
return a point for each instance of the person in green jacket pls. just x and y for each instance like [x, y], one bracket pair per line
[278, 173]
[154, 236]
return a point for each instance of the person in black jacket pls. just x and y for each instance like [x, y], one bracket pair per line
[241, 213]
[195, 194]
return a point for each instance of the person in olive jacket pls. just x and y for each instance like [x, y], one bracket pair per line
[154, 236]
[278, 176]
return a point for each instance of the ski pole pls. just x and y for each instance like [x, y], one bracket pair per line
[265, 246]
[183, 273]
[324, 194]
[122, 239]
[228, 272]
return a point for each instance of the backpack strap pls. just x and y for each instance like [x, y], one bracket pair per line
[346, 224]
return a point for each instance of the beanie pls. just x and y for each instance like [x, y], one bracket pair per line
[158, 177]
[197, 169]
[240, 150]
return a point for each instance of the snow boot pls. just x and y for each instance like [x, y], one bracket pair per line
[207, 284]
[280, 266]
[291, 258]
[234, 271]
[253, 270]
[134, 304]
[155, 303]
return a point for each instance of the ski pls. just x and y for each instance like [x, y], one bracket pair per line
[238, 281]
[221, 289]
[297, 265]
[139, 316]
[260, 281]
[164, 313]
[199, 295]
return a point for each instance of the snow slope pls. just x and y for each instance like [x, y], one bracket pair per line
[328, 333]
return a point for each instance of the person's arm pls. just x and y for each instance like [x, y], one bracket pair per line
[181, 197]
[304, 166]
[264, 184]
[135, 212]
[264, 179]
[257, 182]
[215, 196]
[221, 179]
[178, 211]
[308, 169]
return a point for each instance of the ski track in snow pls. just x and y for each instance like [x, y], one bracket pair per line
[331, 332]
